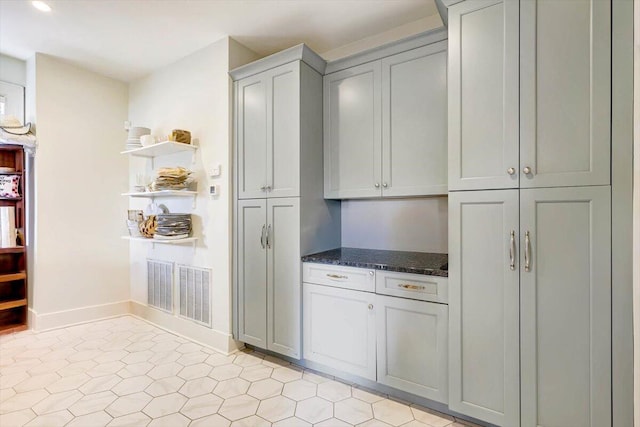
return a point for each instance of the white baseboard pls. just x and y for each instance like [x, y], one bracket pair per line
[58, 319]
[218, 340]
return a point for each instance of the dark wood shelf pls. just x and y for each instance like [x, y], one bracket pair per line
[11, 199]
[13, 250]
[7, 305]
[12, 276]
[12, 327]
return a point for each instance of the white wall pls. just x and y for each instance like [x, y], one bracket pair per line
[80, 265]
[418, 224]
[421, 25]
[193, 94]
[13, 70]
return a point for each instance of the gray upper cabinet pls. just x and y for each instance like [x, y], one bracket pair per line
[385, 124]
[352, 134]
[414, 122]
[566, 306]
[483, 95]
[268, 133]
[565, 93]
[251, 116]
[557, 133]
[483, 306]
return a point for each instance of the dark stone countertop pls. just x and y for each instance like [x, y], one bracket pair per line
[401, 261]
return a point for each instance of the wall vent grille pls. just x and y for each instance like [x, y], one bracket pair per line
[195, 293]
[160, 285]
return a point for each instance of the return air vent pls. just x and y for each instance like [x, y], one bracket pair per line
[160, 285]
[195, 293]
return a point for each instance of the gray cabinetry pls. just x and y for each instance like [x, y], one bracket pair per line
[385, 125]
[412, 346]
[565, 89]
[533, 114]
[530, 306]
[268, 133]
[339, 329]
[565, 313]
[269, 274]
[280, 212]
[483, 305]
[352, 133]
[483, 95]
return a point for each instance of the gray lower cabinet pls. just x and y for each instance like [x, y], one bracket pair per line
[269, 274]
[565, 312]
[339, 329]
[530, 306]
[412, 346]
[484, 306]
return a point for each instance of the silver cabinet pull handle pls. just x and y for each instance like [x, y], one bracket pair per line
[377, 185]
[411, 287]
[511, 171]
[263, 188]
[527, 255]
[336, 276]
[262, 236]
[512, 251]
[268, 188]
[371, 273]
[269, 237]
[385, 185]
[526, 170]
[370, 306]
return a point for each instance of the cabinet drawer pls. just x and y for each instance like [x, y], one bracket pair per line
[414, 286]
[358, 279]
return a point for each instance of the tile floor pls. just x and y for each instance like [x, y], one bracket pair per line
[127, 372]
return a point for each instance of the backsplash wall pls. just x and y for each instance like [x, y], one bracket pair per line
[396, 224]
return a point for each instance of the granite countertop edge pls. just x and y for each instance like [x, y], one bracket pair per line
[398, 261]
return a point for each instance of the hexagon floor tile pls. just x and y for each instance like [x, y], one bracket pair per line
[125, 371]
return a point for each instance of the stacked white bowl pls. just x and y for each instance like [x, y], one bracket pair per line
[135, 133]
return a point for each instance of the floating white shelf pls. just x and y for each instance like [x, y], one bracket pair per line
[162, 193]
[186, 241]
[160, 149]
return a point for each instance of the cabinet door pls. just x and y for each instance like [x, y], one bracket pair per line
[565, 92]
[283, 276]
[483, 95]
[483, 306]
[352, 132]
[283, 130]
[252, 272]
[327, 339]
[412, 346]
[566, 306]
[251, 137]
[414, 122]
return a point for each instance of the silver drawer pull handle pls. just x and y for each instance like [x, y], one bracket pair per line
[262, 236]
[370, 306]
[527, 255]
[512, 251]
[336, 276]
[411, 287]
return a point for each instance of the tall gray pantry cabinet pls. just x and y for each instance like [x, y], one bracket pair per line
[280, 213]
[530, 246]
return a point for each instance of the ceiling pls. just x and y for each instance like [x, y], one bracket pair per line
[127, 39]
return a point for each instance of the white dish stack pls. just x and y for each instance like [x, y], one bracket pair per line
[135, 133]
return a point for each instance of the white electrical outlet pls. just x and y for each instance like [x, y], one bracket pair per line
[213, 190]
